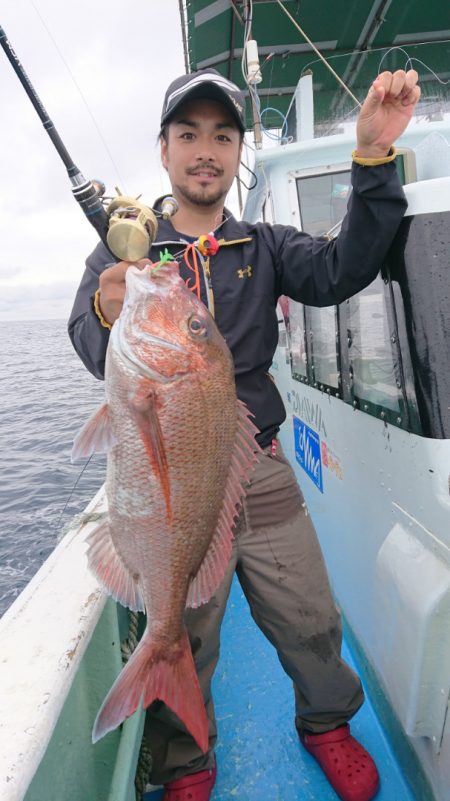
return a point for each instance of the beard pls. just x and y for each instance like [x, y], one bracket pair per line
[203, 196]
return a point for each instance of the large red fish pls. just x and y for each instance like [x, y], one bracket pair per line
[180, 447]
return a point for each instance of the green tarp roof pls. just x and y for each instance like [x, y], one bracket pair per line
[353, 35]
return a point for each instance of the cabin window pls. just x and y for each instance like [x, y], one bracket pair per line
[313, 337]
[322, 323]
[357, 352]
[414, 423]
[323, 201]
[374, 365]
[297, 332]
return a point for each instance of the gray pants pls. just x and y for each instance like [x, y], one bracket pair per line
[280, 567]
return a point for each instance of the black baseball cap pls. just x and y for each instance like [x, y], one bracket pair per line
[207, 83]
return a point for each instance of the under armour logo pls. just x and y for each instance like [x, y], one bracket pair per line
[246, 272]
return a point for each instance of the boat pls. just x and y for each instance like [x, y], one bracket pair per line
[366, 387]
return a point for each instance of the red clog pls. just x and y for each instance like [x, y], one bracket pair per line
[195, 787]
[348, 767]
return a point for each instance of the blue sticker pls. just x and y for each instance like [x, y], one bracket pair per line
[307, 451]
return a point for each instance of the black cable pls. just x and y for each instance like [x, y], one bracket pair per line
[249, 188]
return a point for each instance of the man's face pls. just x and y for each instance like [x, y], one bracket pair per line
[202, 152]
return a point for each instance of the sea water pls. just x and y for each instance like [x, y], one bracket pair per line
[46, 396]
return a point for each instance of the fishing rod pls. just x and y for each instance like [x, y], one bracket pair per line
[126, 226]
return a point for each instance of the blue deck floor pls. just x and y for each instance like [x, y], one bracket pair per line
[258, 754]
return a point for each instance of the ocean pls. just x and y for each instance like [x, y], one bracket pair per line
[47, 395]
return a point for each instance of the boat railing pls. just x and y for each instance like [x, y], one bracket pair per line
[54, 676]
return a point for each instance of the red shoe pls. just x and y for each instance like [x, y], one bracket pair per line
[195, 787]
[348, 767]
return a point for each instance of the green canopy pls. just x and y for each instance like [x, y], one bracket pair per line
[353, 35]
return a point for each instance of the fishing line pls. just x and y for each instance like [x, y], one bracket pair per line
[409, 60]
[311, 44]
[72, 491]
[191, 251]
[380, 49]
[252, 91]
[419, 61]
[342, 118]
[176, 242]
[97, 128]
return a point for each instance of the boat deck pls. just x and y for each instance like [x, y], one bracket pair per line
[258, 754]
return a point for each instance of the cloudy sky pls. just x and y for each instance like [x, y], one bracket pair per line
[100, 68]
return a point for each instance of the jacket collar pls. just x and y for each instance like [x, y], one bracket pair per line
[230, 230]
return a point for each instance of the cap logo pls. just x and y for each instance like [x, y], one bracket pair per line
[208, 77]
[235, 103]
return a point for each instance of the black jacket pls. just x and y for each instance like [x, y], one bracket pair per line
[255, 264]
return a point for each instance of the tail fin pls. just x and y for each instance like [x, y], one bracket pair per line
[152, 675]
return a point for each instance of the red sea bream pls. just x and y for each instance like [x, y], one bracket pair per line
[180, 449]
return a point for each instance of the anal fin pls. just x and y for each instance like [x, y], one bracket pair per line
[110, 571]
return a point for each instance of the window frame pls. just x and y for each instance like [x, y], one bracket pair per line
[310, 172]
[408, 419]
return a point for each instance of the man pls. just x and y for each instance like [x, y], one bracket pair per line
[276, 554]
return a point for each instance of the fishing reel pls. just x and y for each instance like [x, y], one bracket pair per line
[132, 226]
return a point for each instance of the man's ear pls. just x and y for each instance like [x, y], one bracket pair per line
[164, 153]
[240, 156]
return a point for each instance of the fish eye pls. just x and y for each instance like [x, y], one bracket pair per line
[197, 326]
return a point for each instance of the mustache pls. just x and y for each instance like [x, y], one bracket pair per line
[204, 168]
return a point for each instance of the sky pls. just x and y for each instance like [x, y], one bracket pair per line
[100, 68]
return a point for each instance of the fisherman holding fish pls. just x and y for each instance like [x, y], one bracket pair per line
[180, 442]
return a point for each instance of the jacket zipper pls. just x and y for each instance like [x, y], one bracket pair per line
[209, 289]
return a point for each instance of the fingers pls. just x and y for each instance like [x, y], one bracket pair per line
[410, 92]
[116, 273]
[112, 288]
[399, 85]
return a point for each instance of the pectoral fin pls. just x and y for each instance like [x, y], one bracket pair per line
[146, 415]
[96, 436]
